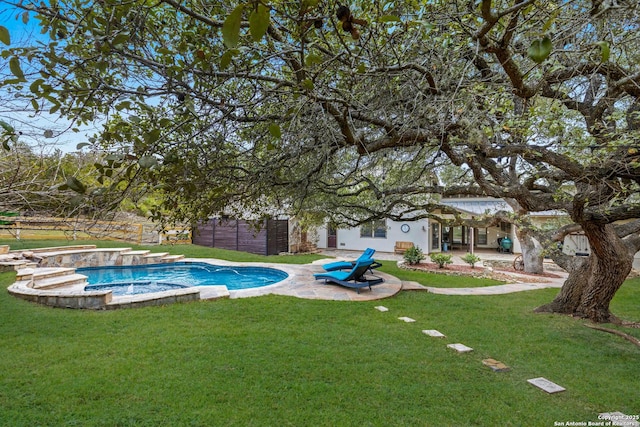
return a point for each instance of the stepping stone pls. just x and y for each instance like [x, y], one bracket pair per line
[406, 319]
[433, 333]
[495, 365]
[546, 385]
[460, 348]
[381, 308]
[619, 419]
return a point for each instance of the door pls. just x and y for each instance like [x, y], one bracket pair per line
[332, 237]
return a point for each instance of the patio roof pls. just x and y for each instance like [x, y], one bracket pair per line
[478, 206]
[489, 206]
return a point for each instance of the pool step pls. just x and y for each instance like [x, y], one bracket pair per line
[172, 258]
[15, 265]
[57, 249]
[60, 281]
[161, 257]
[155, 256]
[43, 273]
[135, 253]
[214, 292]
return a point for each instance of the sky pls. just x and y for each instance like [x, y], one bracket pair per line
[33, 128]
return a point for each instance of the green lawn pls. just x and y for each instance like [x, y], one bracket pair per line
[274, 360]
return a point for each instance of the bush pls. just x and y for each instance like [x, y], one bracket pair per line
[413, 255]
[471, 259]
[441, 259]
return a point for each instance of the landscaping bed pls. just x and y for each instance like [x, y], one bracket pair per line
[504, 274]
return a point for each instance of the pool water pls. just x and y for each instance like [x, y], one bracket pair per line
[158, 277]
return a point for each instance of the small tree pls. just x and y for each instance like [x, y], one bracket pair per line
[441, 259]
[413, 255]
[471, 259]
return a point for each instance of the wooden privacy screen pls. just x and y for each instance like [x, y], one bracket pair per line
[239, 235]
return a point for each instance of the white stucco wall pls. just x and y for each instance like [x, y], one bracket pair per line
[321, 236]
[349, 239]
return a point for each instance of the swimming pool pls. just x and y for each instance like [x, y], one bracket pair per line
[136, 279]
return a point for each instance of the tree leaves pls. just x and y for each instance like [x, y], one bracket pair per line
[274, 130]
[9, 132]
[225, 59]
[540, 50]
[4, 35]
[147, 162]
[152, 136]
[308, 84]
[74, 184]
[16, 70]
[259, 22]
[231, 27]
[6, 126]
[389, 18]
[605, 50]
[120, 40]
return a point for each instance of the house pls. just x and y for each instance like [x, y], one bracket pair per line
[431, 236]
[428, 234]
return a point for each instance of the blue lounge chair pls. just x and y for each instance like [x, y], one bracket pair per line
[351, 279]
[348, 265]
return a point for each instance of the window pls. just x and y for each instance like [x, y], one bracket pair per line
[505, 227]
[482, 236]
[435, 236]
[457, 235]
[377, 228]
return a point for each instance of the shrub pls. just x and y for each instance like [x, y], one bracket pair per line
[413, 255]
[441, 259]
[471, 259]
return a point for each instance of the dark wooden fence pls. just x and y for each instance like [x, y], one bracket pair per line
[239, 235]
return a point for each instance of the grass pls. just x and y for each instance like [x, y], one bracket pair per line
[278, 360]
[437, 280]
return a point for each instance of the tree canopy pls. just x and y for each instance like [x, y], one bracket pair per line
[354, 110]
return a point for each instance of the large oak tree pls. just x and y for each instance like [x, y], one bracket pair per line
[247, 107]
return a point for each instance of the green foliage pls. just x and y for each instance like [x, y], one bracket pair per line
[413, 255]
[441, 259]
[540, 49]
[605, 50]
[471, 259]
[5, 37]
[259, 21]
[231, 27]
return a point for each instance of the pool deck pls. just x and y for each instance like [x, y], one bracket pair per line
[302, 284]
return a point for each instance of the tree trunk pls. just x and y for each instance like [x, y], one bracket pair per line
[531, 253]
[591, 284]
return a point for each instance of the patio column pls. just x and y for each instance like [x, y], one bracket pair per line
[471, 239]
